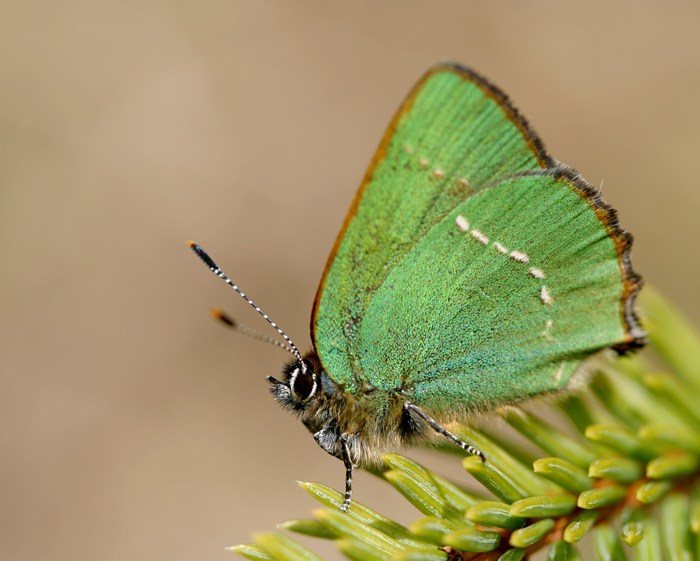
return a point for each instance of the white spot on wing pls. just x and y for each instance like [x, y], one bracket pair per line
[423, 162]
[500, 248]
[519, 256]
[438, 173]
[462, 223]
[537, 273]
[464, 181]
[479, 236]
[547, 329]
[545, 296]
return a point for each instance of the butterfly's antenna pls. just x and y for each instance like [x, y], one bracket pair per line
[228, 321]
[214, 268]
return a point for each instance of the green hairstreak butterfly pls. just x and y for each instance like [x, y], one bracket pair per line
[473, 270]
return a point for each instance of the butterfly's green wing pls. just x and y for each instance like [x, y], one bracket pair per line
[472, 268]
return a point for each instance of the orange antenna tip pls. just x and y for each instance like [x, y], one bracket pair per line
[216, 313]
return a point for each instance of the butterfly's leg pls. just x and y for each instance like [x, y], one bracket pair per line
[327, 438]
[437, 427]
[348, 472]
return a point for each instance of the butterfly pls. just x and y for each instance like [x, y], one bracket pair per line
[473, 270]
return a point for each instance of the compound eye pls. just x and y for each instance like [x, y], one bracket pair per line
[303, 384]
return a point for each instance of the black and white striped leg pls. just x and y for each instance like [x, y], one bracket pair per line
[348, 472]
[437, 427]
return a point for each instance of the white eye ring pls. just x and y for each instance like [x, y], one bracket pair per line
[292, 380]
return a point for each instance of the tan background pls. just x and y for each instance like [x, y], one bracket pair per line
[132, 426]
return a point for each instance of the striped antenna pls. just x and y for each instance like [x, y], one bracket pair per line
[229, 322]
[214, 268]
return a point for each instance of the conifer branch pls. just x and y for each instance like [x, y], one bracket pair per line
[627, 477]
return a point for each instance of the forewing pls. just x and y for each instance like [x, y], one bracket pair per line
[452, 135]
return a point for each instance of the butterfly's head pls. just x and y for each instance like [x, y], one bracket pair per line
[306, 389]
[300, 385]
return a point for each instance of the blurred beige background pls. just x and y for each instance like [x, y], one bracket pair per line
[134, 427]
